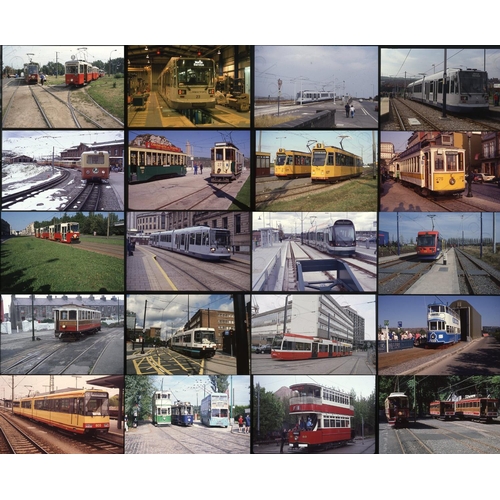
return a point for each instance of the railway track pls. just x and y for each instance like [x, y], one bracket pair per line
[397, 277]
[411, 115]
[10, 200]
[16, 441]
[475, 276]
[88, 200]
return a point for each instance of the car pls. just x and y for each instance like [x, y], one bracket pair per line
[482, 177]
[263, 349]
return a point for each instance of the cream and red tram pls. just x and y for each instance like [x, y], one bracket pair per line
[72, 322]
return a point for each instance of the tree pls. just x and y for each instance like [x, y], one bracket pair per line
[267, 413]
[138, 393]
[219, 383]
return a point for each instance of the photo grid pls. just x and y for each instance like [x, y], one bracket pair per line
[243, 249]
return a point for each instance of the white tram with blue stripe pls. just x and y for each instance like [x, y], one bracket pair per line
[197, 343]
[443, 324]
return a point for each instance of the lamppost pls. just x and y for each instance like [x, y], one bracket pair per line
[115, 50]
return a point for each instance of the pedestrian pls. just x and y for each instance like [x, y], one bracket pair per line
[284, 436]
[195, 169]
[352, 111]
[129, 248]
[240, 424]
[247, 424]
[42, 78]
[496, 99]
[201, 168]
[347, 109]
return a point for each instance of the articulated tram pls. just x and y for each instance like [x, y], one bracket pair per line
[292, 164]
[292, 346]
[197, 343]
[333, 164]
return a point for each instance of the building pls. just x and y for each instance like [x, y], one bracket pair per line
[220, 321]
[41, 308]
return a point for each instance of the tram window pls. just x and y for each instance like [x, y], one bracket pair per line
[439, 164]
[72, 315]
[451, 162]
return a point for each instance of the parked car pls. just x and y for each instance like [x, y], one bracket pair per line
[481, 177]
[263, 349]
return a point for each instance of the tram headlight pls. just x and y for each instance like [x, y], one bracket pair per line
[212, 249]
[452, 180]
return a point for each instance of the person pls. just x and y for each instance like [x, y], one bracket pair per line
[284, 436]
[201, 168]
[347, 109]
[247, 424]
[129, 248]
[240, 423]
[195, 169]
[42, 78]
[352, 111]
[496, 99]
[309, 424]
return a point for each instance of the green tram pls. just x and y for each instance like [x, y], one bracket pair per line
[162, 408]
[152, 161]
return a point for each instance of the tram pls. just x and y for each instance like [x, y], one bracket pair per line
[293, 346]
[292, 164]
[197, 343]
[397, 410]
[262, 164]
[161, 408]
[337, 239]
[322, 417]
[227, 162]
[154, 157]
[466, 90]
[429, 245]
[332, 164]
[443, 325]
[188, 82]
[215, 410]
[182, 414]
[444, 410]
[433, 166]
[477, 407]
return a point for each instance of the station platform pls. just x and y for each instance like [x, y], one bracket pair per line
[268, 267]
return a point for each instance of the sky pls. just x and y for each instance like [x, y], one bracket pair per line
[20, 220]
[17, 55]
[351, 70]
[411, 310]
[7, 298]
[194, 388]
[449, 225]
[172, 311]
[44, 143]
[292, 222]
[25, 383]
[364, 305]
[359, 143]
[397, 62]
[363, 385]
[202, 141]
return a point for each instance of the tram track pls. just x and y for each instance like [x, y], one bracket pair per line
[476, 277]
[87, 200]
[410, 443]
[17, 441]
[397, 277]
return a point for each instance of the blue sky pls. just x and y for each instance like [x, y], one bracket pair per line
[202, 141]
[412, 309]
[194, 388]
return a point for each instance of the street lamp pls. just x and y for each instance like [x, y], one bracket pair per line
[115, 50]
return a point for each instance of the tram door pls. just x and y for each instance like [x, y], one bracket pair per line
[76, 410]
[330, 350]
[314, 349]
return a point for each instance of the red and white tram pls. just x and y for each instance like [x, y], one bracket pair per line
[322, 417]
[66, 232]
[72, 322]
[293, 346]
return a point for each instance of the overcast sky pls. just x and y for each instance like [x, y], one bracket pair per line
[44, 143]
[23, 384]
[411, 310]
[292, 222]
[397, 62]
[353, 70]
[202, 141]
[17, 55]
[363, 385]
[359, 143]
[449, 225]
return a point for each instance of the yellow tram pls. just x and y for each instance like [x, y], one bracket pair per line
[292, 164]
[332, 164]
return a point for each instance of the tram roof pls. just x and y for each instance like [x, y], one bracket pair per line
[161, 54]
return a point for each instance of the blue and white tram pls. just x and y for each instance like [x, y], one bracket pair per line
[201, 241]
[466, 90]
[197, 343]
[337, 239]
[182, 414]
[215, 410]
[188, 82]
[307, 96]
[443, 325]
[161, 408]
